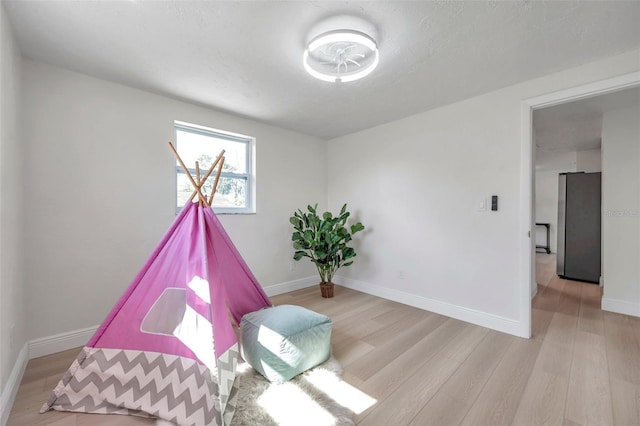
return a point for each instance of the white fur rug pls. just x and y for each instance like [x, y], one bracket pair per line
[304, 400]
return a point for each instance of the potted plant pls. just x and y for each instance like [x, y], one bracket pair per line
[323, 239]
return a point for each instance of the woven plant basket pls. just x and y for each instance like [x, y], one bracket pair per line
[326, 289]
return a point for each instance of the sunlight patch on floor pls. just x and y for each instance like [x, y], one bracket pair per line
[243, 367]
[342, 392]
[288, 405]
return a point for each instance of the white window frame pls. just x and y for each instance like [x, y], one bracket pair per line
[248, 177]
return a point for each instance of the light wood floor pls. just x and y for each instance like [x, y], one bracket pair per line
[582, 366]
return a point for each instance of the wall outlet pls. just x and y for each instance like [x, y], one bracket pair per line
[292, 266]
[482, 205]
[401, 275]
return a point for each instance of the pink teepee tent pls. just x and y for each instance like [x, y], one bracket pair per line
[168, 348]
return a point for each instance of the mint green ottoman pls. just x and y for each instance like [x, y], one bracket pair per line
[284, 341]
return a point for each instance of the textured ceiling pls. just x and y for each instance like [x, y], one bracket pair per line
[246, 57]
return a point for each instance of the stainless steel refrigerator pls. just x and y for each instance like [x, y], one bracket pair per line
[579, 226]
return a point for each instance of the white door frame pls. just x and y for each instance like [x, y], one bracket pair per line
[527, 217]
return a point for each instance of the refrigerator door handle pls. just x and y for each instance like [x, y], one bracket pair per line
[562, 204]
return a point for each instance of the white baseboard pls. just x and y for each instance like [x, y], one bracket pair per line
[60, 342]
[621, 307]
[472, 316]
[10, 389]
[76, 338]
[285, 287]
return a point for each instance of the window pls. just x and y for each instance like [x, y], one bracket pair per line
[235, 188]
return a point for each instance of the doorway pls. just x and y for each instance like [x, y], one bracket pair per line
[586, 92]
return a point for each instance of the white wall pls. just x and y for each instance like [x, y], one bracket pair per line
[100, 182]
[416, 182]
[555, 161]
[547, 208]
[621, 210]
[12, 336]
[547, 167]
[589, 161]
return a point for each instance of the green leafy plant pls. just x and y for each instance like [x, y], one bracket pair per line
[323, 239]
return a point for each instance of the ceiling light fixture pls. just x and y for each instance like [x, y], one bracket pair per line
[341, 56]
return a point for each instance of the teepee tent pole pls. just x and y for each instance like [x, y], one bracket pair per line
[215, 182]
[206, 176]
[198, 181]
[186, 170]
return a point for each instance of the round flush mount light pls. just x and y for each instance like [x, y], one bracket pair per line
[341, 56]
